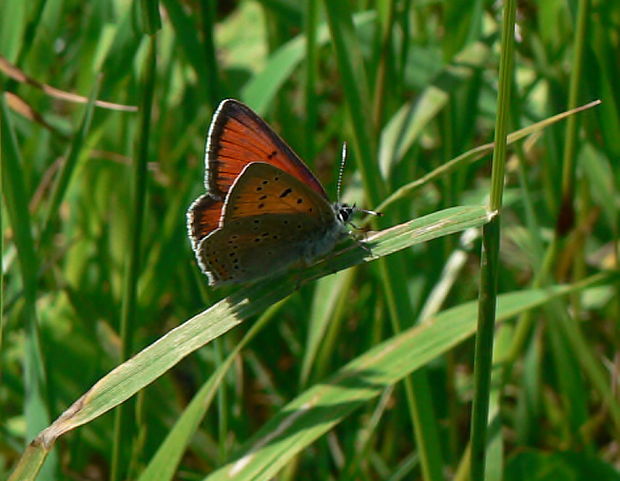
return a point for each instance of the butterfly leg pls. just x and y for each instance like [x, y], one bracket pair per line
[359, 239]
[363, 245]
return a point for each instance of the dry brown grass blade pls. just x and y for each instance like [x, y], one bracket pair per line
[19, 105]
[18, 75]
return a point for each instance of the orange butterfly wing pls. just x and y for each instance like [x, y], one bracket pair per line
[271, 220]
[238, 137]
[264, 189]
[203, 217]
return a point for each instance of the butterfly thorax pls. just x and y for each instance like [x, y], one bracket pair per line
[323, 241]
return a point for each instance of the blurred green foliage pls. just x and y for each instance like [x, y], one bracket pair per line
[427, 72]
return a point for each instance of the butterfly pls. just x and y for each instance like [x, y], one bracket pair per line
[263, 210]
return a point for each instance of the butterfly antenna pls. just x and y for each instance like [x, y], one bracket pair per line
[340, 174]
[343, 160]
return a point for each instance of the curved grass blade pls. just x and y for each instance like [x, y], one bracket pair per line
[146, 366]
[351, 66]
[324, 405]
[476, 154]
[134, 253]
[63, 178]
[18, 75]
[164, 463]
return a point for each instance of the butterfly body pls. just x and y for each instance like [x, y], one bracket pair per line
[263, 210]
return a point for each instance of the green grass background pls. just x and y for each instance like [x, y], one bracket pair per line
[97, 266]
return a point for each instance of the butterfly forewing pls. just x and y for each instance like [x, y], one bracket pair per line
[238, 137]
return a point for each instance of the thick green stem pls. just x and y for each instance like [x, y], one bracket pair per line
[489, 262]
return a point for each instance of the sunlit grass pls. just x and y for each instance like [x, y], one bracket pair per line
[312, 389]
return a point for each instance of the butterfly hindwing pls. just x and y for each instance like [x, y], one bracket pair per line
[252, 247]
[203, 217]
[262, 188]
[259, 188]
[270, 221]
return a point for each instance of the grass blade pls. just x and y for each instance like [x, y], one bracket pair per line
[132, 269]
[324, 405]
[164, 464]
[490, 257]
[146, 366]
[476, 154]
[16, 202]
[393, 279]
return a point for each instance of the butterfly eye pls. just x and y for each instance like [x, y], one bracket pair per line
[344, 213]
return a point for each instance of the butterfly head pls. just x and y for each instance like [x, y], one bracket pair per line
[344, 212]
